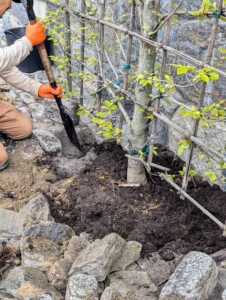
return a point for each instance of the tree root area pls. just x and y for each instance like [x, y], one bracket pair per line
[153, 215]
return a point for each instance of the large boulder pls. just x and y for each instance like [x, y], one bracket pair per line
[44, 243]
[98, 258]
[58, 272]
[23, 282]
[194, 278]
[36, 210]
[82, 287]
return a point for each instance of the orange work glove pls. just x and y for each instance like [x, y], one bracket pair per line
[35, 33]
[46, 91]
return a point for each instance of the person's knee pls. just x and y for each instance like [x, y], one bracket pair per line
[26, 128]
[3, 155]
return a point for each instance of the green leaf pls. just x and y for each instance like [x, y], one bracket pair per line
[194, 13]
[201, 155]
[213, 177]
[180, 149]
[95, 120]
[204, 123]
[205, 77]
[192, 173]
[182, 70]
[214, 112]
[101, 114]
[108, 103]
[213, 76]
[168, 78]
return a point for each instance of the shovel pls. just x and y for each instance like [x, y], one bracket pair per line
[67, 121]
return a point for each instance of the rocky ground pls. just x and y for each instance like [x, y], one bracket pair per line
[70, 229]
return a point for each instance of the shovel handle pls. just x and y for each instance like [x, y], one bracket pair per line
[45, 61]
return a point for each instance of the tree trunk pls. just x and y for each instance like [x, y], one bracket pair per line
[148, 19]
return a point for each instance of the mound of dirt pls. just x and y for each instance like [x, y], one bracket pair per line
[153, 215]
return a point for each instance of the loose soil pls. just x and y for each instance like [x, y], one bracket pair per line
[153, 215]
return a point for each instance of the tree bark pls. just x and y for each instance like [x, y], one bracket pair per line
[148, 19]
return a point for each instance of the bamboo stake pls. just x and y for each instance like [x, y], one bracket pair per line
[82, 51]
[161, 76]
[68, 47]
[150, 42]
[128, 57]
[101, 56]
[219, 223]
[201, 99]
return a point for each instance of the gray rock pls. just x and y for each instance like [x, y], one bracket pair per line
[110, 294]
[156, 268]
[44, 243]
[161, 136]
[22, 282]
[130, 253]
[36, 210]
[216, 293]
[224, 295]
[58, 272]
[94, 129]
[221, 284]
[68, 149]
[11, 227]
[40, 297]
[194, 278]
[222, 277]
[97, 258]
[76, 245]
[33, 150]
[68, 167]
[26, 111]
[47, 141]
[7, 297]
[82, 287]
[134, 285]
[38, 113]
[1, 248]
[26, 98]
[52, 111]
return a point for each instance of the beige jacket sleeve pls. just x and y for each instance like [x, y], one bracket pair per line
[12, 56]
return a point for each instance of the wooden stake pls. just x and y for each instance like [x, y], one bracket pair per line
[82, 50]
[101, 56]
[128, 57]
[68, 47]
[222, 226]
[161, 76]
[201, 99]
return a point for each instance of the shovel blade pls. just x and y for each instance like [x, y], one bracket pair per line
[70, 130]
